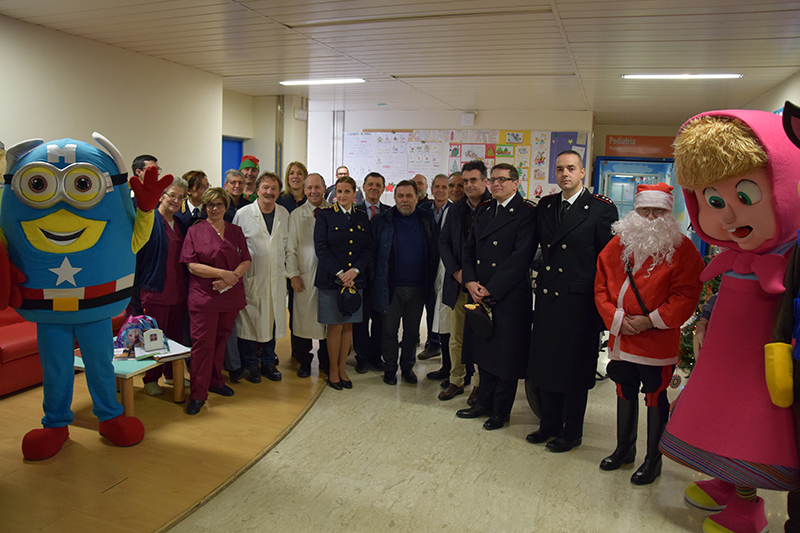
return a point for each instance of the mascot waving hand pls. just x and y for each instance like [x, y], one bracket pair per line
[71, 234]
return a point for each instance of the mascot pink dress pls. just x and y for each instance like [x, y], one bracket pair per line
[739, 172]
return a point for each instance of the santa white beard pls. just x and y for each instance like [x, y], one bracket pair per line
[643, 238]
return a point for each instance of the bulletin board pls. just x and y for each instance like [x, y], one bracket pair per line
[401, 155]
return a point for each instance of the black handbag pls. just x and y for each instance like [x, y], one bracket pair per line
[479, 317]
[349, 300]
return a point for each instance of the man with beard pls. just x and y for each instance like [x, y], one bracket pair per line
[647, 285]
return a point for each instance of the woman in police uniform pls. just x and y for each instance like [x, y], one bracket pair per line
[344, 247]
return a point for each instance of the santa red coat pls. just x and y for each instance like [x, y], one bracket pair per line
[670, 292]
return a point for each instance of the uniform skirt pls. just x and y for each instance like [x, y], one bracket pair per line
[328, 308]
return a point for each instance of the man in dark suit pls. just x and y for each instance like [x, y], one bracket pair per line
[573, 228]
[451, 241]
[497, 257]
[366, 338]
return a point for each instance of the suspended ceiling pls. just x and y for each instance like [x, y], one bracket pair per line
[559, 55]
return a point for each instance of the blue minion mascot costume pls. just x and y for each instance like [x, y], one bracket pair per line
[72, 233]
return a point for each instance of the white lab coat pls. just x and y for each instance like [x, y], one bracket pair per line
[301, 260]
[265, 280]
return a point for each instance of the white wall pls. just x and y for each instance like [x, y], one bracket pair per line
[320, 144]
[237, 115]
[262, 145]
[56, 86]
[295, 135]
[775, 98]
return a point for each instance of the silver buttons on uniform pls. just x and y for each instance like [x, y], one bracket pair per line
[563, 246]
[547, 268]
[494, 264]
[544, 291]
[478, 261]
[495, 243]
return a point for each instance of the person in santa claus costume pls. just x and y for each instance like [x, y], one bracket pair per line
[647, 285]
[739, 173]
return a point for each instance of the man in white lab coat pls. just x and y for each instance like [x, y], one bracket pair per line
[266, 228]
[301, 268]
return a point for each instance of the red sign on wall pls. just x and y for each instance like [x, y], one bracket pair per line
[638, 146]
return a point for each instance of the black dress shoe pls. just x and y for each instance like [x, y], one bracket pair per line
[390, 378]
[560, 445]
[444, 384]
[194, 406]
[222, 391]
[335, 385]
[253, 375]
[436, 375]
[409, 377]
[346, 384]
[475, 411]
[362, 367]
[236, 375]
[304, 371]
[271, 372]
[494, 422]
[539, 436]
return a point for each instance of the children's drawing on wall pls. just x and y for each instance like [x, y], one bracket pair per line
[522, 157]
[473, 151]
[514, 137]
[504, 150]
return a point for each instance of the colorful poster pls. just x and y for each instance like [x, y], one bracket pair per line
[565, 140]
[514, 137]
[425, 158]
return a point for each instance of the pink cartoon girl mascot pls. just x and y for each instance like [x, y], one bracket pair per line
[739, 173]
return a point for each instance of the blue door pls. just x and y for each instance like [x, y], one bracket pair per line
[232, 152]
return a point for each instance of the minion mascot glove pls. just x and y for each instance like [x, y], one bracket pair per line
[70, 236]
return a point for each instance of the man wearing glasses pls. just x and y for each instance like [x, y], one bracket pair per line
[573, 228]
[497, 257]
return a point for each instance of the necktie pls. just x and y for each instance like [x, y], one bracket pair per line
[564, 209]
[194, 212]
[372, 211]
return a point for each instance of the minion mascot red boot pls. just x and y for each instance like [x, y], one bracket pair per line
[739, 172]
[71, 233]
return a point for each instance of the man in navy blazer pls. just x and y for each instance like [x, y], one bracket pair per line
[366, 339]
[451, 241]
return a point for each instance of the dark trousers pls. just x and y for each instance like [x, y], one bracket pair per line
[447, 364]
[301, 348]
[654, 381]
[407, 304]
[562, 413]
[430, 309]
[793, 499]
[367, 334]
[251, 352]
[209, 333]
[496, 394]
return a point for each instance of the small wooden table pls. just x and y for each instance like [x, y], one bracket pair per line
[126, 370]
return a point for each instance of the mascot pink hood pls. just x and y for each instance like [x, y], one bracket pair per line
[783, 169]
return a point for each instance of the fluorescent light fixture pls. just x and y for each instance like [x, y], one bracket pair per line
[323, 82]
[681, 76]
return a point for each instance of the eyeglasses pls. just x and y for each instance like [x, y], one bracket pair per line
[501, 179]
[656, 211]
[215, 205]
[175, 197]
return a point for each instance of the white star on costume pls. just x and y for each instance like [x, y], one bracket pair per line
[66, 272]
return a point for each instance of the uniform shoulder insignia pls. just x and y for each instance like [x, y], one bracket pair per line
[528, 203]
[602, 198]
[482, 204]
[359, 210]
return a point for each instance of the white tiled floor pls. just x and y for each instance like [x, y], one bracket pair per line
[381, 458]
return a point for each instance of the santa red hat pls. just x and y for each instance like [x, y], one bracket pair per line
[653, 195]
